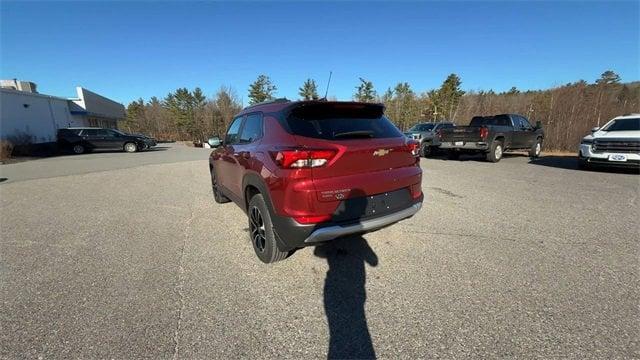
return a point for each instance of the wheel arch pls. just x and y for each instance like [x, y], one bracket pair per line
[250, 183]
[253, 184]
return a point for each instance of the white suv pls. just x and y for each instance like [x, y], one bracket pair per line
[617, 143]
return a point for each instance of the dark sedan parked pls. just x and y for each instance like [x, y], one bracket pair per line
[83, 139]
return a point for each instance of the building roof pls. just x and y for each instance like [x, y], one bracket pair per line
[86, 103]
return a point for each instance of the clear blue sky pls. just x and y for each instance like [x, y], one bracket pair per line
[127, 50]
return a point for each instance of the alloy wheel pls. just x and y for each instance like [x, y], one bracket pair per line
[256, 224]
[498, 152]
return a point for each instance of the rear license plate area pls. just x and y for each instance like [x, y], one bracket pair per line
[373, 205]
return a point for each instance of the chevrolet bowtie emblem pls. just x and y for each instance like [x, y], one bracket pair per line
[381, 152]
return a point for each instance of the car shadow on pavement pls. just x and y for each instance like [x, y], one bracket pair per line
[345, 297]
[69, 154]
[476, 157]
[571, 163]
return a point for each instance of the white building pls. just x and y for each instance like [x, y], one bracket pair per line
[27, 116]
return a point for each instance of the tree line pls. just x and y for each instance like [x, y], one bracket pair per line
[566, 112]
[183, 114]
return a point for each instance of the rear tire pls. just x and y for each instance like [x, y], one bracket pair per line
[217, 194]
[261, 232]
[495, 152]
[536, 149]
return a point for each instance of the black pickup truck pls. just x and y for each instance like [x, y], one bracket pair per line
[493, 135]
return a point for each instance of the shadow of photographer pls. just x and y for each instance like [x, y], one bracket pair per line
[345, 296]
[345, 292]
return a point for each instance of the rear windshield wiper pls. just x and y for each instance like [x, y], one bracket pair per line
[359, 133]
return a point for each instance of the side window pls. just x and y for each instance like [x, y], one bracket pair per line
[252, 129]
[233, 132]
[525, 123]
[505, 121]
[103, 132]
[90, 132]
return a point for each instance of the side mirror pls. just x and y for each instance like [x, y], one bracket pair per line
[538, 125]
[595, 129]
[214, 142]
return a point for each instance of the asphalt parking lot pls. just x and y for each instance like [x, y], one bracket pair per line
[114, 255]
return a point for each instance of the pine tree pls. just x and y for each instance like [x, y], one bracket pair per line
[407, 109]
[309, 90]
[445, 100]
[387, 97]
[261, 90]
[181, 106]
[513, 91]
[365, 91]
[608, 77]
[135, 115]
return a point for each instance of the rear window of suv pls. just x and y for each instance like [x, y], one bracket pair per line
[341, 122]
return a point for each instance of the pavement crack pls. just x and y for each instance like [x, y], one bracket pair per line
[180, 286]
[447, 192]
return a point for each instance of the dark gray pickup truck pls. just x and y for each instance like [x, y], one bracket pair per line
[493, 135]
[426, 134]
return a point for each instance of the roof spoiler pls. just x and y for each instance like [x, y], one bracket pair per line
[335, 109]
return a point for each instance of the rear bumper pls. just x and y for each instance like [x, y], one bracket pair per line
[290, 234]
[332, 232]
[472, 145]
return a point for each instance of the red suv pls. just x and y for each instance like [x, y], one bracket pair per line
[310, 171]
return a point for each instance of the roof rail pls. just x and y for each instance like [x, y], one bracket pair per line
[273, 101]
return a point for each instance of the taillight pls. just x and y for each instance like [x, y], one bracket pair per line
[302, 158]
[484, 133]
[413, 147]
